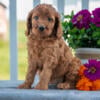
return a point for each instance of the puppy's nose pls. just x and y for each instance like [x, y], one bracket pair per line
[41, 28]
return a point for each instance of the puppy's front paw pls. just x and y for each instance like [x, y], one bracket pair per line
[63, 86]
[41, 87]
[24, 86]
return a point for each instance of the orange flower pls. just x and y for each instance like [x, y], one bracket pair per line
[82, 69]
[96, 85]
[84, 84]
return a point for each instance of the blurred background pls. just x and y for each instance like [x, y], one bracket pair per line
[23, 8]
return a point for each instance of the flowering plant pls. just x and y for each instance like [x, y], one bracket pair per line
[82, 29]
[89, 76]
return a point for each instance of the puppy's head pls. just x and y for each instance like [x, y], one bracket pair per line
[44, 21]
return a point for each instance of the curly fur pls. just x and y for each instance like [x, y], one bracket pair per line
[47, 51]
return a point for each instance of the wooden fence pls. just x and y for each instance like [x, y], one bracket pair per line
[13, 39]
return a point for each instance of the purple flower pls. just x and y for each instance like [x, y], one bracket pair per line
[93, 69]
[82, 19]
[96, 17]
[96, 12]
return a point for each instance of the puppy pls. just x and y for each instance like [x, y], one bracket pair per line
[48, 52]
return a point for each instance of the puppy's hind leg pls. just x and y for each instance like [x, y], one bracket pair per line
[71, 77]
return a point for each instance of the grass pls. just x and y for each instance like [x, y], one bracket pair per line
[22, 55]
[22, 51]
[4, 60]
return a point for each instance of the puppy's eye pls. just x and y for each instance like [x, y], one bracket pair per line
[50, 19]
[36, 17]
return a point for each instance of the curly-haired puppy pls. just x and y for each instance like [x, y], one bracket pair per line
[47, 51]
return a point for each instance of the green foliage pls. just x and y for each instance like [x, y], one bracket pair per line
[77, 38]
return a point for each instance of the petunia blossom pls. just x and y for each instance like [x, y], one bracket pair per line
[82, 19]
[93, 69]
[96, 17]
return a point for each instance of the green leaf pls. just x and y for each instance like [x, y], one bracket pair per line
[82, 31]
[70, 25]
[72, 14]
[74, 30]
[92, 26]
[98, 42]
[88, 30]
[98, 29]
[67, 16]
[96, 34]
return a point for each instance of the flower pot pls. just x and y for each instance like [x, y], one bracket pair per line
[88, 53]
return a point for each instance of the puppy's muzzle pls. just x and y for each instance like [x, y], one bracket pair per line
[41, 28]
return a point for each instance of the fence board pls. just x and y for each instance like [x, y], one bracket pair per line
[36, 2]
[60, 6]
[85, 4]
[13, 33]
[13, 41]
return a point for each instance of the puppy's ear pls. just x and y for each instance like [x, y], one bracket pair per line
[29, 23]
[58, 26]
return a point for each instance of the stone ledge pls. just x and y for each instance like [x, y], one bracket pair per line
[51, 94]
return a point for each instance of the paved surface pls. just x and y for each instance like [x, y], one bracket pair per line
[51, 94]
